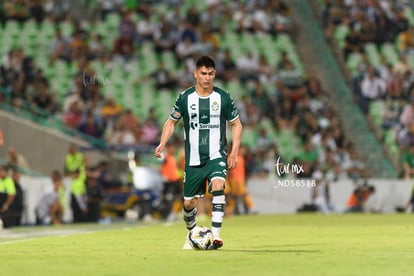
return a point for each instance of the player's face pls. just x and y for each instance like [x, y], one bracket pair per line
[205, 77]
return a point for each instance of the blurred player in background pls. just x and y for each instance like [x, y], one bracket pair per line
[205, 110]
[172, 187]
[237, 181]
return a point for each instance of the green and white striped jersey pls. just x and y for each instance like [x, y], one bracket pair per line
[205, 121]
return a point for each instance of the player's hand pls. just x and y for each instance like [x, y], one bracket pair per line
[158, 150]
[231, 162]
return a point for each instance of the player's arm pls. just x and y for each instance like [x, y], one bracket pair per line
[167, 132]
[236, 132]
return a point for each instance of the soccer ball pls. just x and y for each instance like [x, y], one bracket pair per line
[200, 237]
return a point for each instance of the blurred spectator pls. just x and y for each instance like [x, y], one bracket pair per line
[74, 161]
[130, 121]
[17, 206]
[358, 198]
[16, 160]
[60, 48]
[226, 67]
[18, 10]
[90, 125]
[7, 196]
[150, 133]
[37, 10]
[292, 81]
[321, 193]
[123, 49]
[353, 43]
[354, 167]
[78, 201]
[111, 110]
[248, 67]
[73, 116]
[372, 88]
[164, 37]
[108, 6]
[408, 163]
[97, 48]
[243, 19]
[78, 46]
[164, 79]
[49, 209]
[145, 29]
[406, 135]
[145, 192]
[94, 197]
[261, 99]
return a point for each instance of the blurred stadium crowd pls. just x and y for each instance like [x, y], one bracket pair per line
[377, 43]
[113, 71]
[107, 76]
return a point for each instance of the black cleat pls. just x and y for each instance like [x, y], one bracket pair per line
[217, 243]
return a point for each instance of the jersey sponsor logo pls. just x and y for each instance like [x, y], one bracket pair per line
[193, 116]
[193, 107]
[215, 106]
[193, 125]
[209, 126]
[221, 163]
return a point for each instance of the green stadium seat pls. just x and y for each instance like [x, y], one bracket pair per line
[390, 52]
[376, 110]
[340, 34]
[372, 53]
[353, 61]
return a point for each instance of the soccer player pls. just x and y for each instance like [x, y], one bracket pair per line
[205, 110]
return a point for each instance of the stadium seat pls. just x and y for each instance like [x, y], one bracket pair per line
[376, 110]
[390, 52]
[340, 35]
[372, 53]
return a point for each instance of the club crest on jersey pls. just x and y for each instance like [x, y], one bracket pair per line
[215, 106]
[221, 163]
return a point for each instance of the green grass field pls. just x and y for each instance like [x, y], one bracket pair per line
[307, 244]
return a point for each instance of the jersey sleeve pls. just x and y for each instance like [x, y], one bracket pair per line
[177, 110]
[231, 112]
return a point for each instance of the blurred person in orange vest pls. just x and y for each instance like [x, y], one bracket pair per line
[237, 181]
[356, 201]
[172, 187]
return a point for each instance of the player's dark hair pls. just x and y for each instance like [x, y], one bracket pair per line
[206, 61]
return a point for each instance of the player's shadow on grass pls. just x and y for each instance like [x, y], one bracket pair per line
[295, 251]
[279, 249]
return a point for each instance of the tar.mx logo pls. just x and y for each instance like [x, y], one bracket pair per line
[283, 170]
[88, 79]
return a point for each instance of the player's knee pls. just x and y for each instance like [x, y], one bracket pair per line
[217, 185]
[189, 203]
